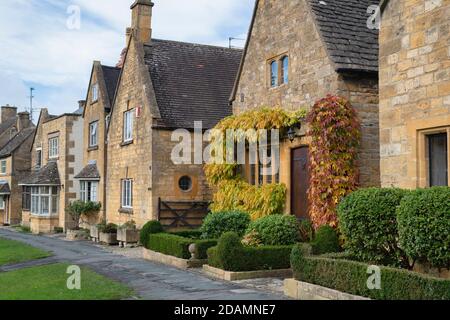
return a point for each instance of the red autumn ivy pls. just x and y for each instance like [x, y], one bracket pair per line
[335, 139]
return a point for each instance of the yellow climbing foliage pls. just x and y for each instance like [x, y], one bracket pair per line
[233, 193]
[257, 201]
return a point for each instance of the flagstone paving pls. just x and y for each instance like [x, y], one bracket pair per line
[150, 281]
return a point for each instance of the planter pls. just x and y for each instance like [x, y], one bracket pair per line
[246, 275]
[74, 235]
[95, 234]
[108, 238]
[306, 291]
[126, 237]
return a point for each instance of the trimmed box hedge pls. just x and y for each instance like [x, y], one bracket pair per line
[231, 255]
[177, 246]
[351, 277]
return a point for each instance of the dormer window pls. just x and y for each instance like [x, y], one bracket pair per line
[94, 92]
[274, 74]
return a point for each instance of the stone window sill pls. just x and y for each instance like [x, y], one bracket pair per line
[126, 210]
[95, 148]
[126, 143]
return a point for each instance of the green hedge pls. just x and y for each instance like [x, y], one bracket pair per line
[191, 234]
[424, 225]
[368, 222]
[326, 241]
[351, 277]
[174, 245]
[231, 255]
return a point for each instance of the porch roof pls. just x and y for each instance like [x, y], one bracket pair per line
[45, 176]
[4, 188]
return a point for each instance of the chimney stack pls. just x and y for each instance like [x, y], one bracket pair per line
[23, 121]
[8, 112]
[141, 20]
[82, 104]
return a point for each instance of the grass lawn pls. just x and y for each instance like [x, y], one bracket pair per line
[50, 283]
[12, 252]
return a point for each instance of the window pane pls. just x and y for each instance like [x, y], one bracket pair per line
[438, 160]
[274, 73]
[94, 192]
[45, 190]
[285, 63]
[45, 210]
[55, 204]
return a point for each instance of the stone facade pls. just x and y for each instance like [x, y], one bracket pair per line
[97, 110]
[414, 88]
[16, 155]
[68, 128]
[289, 28]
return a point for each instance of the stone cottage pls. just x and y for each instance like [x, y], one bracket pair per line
[92, 178]
[164, 85]
[415, 93]
[8, 124]
[297, 52]
[56, 156]
[15, 161]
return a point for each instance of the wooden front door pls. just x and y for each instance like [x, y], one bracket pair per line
[300, 182]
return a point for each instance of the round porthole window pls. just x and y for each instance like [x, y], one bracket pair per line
[185, 183]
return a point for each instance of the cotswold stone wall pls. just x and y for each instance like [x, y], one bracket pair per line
[289, 28]
[414, 86]
[134, 160]
[95, 111]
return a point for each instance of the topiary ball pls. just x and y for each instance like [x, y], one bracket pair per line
[149, 228]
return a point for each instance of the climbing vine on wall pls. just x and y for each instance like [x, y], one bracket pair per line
[335, 139]
[232, 192]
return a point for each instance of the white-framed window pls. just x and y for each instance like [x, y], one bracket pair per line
[88, 191]
[127, 193]
[93, 134]
[44, 200]
[3, 167]
[128, 119]
[95, 92]
[53, 147]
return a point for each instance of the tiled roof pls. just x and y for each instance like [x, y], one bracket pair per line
[16, 142]
[352, 45]
[47, 175]
[111, 76]
[4, 188]
[89, 172]
[192, 82]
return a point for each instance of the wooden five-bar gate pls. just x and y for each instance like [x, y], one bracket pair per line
[182, 214]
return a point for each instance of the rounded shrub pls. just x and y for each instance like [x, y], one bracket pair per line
[326, 241]
[276, 230]
[424, 224]
[149, 228]
[368, 223]
[216, 224]
[229, 249]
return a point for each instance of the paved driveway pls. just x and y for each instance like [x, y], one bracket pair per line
[150, 281]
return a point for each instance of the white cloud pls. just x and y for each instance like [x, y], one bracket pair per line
[37, 48]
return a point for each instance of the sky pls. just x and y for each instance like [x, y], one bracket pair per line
[44, 45]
